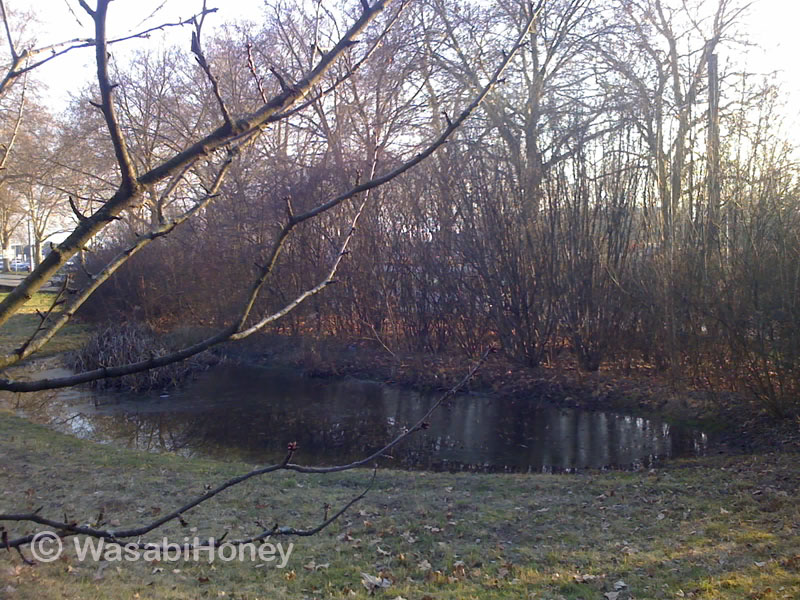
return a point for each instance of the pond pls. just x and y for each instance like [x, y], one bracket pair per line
[251, 413]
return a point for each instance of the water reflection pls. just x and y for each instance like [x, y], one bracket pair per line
[252, 413]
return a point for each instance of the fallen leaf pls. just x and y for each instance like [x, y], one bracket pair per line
[406, 535]
[98, 576]
[373, 583]
[459, 568]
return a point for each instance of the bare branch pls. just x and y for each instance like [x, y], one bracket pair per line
[326, 281]
[421, 424]
[126, 195]
[129, 183]
[87, 8]
[98, 279]
[252, 67]
[201, 60]
[8, 146]
[56, 50]
[146, 33]
[78, 214]
[351, 70]
[11, 49]
[68, 528]
[233, 331]
[57, 301]
[281, 81]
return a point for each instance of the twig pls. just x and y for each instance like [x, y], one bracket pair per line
[201, 60]
[43, 317]
[124, 161]
[78, 214]
[350, 72]
[252, 67]
[11, 50]
[58, 49]
[378, 337]
[422, 423]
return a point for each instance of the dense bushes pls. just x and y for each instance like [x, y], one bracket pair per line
[130, 342]
[590, 273]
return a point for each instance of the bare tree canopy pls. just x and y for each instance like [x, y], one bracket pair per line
[207, 159]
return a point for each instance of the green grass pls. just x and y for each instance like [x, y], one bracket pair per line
[723, 527]
[20, 327]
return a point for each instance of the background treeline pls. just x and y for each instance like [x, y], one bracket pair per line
[620, 198]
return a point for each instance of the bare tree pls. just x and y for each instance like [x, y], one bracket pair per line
[148, 168]
[220, 146]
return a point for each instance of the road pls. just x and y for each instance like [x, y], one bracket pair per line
[8, 281]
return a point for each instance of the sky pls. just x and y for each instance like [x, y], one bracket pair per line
[772, 24]
[62, 20]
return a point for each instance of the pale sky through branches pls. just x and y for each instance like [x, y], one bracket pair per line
[772, 24]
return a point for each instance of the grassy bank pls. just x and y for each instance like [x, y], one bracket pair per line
[724, 527]
[20, 326]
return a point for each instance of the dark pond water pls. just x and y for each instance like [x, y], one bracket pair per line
[251, 413]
